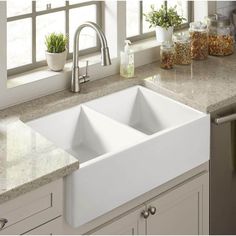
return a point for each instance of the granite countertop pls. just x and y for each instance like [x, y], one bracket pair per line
[28, 160]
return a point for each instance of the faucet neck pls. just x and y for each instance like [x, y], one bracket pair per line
[100, 34]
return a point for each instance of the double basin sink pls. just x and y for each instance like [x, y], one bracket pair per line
[128, 143]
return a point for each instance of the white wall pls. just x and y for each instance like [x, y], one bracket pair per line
[225, 7]
[200, 10]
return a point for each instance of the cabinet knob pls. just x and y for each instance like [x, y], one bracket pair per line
[152, 210]
[2, 222]
[145, 214]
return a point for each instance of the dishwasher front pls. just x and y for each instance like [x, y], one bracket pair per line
[223, 173]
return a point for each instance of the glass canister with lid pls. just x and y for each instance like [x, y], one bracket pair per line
[182, 46]
[220, 38]
[167, 54]
[199, 40]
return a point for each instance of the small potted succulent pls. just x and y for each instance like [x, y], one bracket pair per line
[56, 51]
[164, 20]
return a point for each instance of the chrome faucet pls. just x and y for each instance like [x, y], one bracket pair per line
[105, 56]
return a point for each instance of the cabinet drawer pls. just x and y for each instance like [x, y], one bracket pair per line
[32, 209]
[53, 227]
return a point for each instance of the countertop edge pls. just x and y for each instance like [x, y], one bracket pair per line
[39, 182]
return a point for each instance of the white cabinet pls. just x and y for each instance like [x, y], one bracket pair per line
[181, 210]
[32, 209]
[130, 224]
[53, 227]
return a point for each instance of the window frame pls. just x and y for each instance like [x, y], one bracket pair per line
[36, 64]
[142, 36]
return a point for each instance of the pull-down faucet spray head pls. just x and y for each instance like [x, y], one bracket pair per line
[105, 57]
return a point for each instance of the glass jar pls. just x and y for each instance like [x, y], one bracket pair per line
[167, 54]
[220, 37]
[182, 49]
[199, 36]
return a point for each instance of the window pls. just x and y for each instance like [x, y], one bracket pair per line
[29, 21]
[136, 26]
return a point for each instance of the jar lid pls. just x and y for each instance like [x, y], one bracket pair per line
[198, 26]
[218, 20]
[181, 37]
[167, 45]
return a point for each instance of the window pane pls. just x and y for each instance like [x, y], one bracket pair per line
[132, 18]
[146, 9]
[19, 43]
[42, 5]
[15, 8]
[182, 7]
[46, 24]
[77, 17]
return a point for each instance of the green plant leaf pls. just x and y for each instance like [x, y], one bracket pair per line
[164, 17]
[56, 43]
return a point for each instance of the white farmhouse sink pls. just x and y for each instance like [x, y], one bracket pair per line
[127, 143]
[84, 133]
[144, 110]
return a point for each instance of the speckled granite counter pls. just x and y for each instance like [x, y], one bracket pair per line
[28, 161]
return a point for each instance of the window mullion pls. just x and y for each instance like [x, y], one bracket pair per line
[33, 32]
[99, 22]
[141, 17]
[67, 24]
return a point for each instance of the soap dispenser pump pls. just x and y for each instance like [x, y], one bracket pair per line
[127, 61]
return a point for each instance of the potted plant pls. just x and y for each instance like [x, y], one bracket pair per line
[56, 51]
[164, 20]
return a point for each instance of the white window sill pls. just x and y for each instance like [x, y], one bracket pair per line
[45, 73]
[145, 44]
[94, 59]
[151, 42]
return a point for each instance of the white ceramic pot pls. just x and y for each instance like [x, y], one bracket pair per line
[163, 34]
[56, 61]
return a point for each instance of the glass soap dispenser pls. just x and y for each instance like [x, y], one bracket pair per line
[127, 61]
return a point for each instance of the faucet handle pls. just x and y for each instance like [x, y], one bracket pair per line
[84, 78]
[86, 69]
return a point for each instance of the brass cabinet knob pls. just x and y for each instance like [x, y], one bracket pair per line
[152, 210]
[145, 214]
[3, 221]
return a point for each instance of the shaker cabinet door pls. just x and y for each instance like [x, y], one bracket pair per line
[181, 211]
[130, 224]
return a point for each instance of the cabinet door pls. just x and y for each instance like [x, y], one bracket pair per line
[130, 224]
[53, 227]
[32, 209]
[223, 181]
[183, 210]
